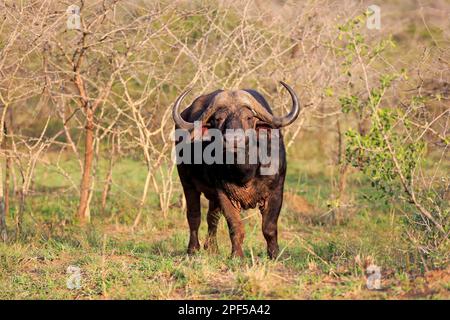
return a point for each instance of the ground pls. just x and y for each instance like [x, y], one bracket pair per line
[319, 259]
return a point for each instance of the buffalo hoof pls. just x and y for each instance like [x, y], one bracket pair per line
[273, 254]
[237, 254]
[193, 249]
[211, 246]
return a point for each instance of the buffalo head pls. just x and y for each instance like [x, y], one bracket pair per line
[237, 110]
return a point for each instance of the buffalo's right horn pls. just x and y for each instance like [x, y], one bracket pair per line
[179, 121]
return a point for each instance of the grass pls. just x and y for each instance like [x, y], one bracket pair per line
[319, 260]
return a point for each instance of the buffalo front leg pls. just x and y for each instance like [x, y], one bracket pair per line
[194, 218]
[212, 218]
[270, 212]
[232, 213]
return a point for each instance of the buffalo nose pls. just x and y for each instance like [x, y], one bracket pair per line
[237, 137]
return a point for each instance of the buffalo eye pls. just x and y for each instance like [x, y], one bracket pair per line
[218, 120]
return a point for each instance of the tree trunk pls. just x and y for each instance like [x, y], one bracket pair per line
[144, 196]
[19, 217]
[342, 180]
[3, 233]
[7, 182]
[108, 179]
[4, 191]
[83, 209]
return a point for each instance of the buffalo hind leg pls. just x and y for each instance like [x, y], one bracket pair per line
[235, 225]
[270, 212]
[212, 218]
[193, 217]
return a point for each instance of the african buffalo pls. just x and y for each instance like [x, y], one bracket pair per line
[231, 187]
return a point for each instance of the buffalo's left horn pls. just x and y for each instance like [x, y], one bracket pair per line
[295, 111]
[278, 122]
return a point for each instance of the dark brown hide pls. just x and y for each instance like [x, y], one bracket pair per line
[232, 187]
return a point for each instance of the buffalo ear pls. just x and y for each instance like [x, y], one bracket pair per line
[261, 125]
[203, 134]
